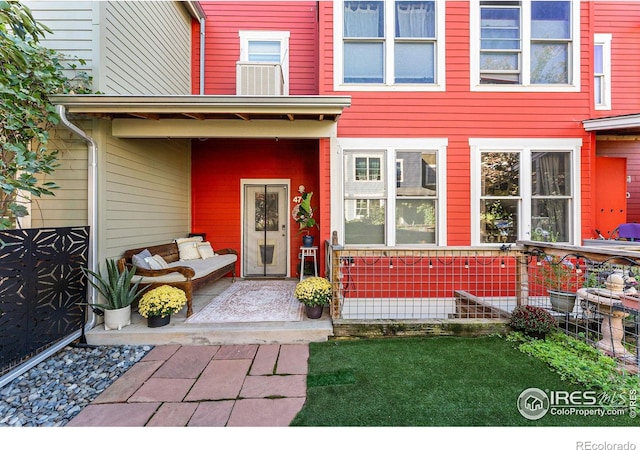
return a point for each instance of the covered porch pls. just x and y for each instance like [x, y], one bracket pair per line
[161, 167]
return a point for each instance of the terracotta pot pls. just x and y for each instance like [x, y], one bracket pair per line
[630, 301]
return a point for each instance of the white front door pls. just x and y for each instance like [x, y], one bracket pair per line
[265, 229]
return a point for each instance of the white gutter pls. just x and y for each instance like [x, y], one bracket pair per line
[612, 123]
[195, 10]
[32, 362]
[92, 195]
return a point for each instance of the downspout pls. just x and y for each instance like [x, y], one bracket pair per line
[37, 359]
[92, 201]
[202, 55]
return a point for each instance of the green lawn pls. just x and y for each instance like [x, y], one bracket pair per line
[432, 381]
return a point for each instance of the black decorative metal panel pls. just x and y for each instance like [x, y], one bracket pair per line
[41, 288]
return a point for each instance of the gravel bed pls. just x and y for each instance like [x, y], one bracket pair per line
[53, 392]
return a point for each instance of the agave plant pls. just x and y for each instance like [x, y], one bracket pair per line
[117, 287]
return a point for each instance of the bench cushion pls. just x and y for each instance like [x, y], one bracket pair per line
[202, 268]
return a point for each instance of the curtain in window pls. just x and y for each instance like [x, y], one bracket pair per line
[415, 19]
[361, 19]
[552, 171]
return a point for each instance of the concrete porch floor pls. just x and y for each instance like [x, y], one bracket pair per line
[177, 332]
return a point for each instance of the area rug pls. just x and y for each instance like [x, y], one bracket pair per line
[253, 301]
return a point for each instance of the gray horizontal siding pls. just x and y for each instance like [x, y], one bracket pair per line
[68, 207]
[129, 47]
[146, 48]
[147, 193]
[73, 27]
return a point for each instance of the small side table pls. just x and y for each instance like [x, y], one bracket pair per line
[312, 252]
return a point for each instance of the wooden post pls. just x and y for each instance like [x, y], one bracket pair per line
[335, 277]
[522, 279]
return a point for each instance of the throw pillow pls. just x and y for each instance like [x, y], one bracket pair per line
[188, 239]
[205, 250]
[156, 262]
[138, 260]
[188, 251]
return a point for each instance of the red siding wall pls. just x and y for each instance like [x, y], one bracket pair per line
[622, 20]
[216, 184]
[222, 42]
[629, 149]
[459, 114]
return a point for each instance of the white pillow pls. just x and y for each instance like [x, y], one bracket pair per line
[205, 250]
[188, 239]
[138, 259]
[188, 251]
[156, 262]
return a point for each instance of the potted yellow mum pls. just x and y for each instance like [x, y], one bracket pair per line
[158, 304]
[313, 293]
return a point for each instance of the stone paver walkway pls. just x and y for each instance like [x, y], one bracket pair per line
[205, 386]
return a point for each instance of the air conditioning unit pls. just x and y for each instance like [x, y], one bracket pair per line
[259, 78]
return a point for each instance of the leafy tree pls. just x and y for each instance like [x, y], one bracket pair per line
[30, 74]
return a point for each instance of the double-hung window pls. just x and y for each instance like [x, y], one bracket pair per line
[602, 71]
[394, 191]
[532, 44]
[385, 43]
[524, 189]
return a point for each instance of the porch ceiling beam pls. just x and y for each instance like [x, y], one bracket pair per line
[146, 116]
[196, 116]
[185, 128]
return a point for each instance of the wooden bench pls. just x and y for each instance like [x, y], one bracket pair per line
[186, 275]
[468, 306]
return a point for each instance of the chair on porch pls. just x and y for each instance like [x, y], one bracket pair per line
[627, 232]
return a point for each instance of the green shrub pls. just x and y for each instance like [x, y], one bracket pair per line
[580, 363]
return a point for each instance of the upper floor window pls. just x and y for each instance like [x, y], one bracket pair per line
[384, 43]
[528, 43]
[602, 71]
[267, 47]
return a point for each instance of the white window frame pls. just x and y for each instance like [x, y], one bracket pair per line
[390, 146]
[604, 40]
[526, 86]
[525, 147]
[389, 39]
[246, 36]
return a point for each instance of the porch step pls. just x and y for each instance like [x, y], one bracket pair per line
[304, 331]
[179, 332]
[468, 306]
